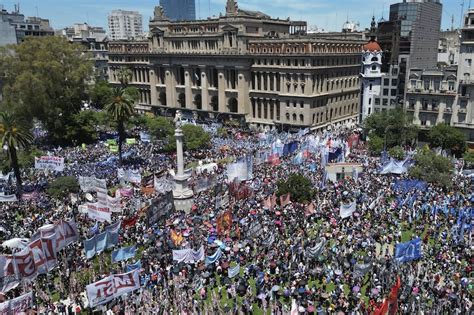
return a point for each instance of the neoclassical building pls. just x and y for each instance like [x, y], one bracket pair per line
[243, 65]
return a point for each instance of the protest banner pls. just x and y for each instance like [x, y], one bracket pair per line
[97, 212]
[39, 256]
[17, 305]
[160, 208]
[52, 163]
[8, 198]
[111, 287]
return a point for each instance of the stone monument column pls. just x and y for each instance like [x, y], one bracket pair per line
[183, 196]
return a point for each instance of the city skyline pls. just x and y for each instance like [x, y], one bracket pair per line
[323, 14]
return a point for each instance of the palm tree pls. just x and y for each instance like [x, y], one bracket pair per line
[124, 75]
[14, 136]
[121, 109]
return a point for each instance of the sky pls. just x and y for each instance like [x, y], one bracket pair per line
[324, 14]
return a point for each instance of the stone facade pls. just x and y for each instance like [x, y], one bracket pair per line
[431, 97]
[243, 65]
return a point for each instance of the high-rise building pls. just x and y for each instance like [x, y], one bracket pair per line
[14, 27]
[243, 66]
[125, 25]
[179, 10]
[410, 38]
[413, 32]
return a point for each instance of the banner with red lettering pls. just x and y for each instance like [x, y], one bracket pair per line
[111, 287]
[39, 256]
[17, 305]
[98, 212]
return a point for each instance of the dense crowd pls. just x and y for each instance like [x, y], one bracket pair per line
[272, 257]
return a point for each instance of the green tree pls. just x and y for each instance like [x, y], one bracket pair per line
[14, 135]
[397, 153]
[299, 187]
[62, 186]
[375, 144]
[394, 126]
[45, 78]
[124, 76]
[195, 137]
[447, 138]
[100, 93]
[432, 168]
[82, 128]
[121, 109]
[469, 158]
[160, 127]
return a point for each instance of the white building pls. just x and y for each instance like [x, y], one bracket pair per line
[371, 75]
[125, 25]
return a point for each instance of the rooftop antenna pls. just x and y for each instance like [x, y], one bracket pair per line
[452, 22]
[462, 14]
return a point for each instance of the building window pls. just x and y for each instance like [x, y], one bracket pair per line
[385, 101]
[385, 92]
[468, 62]
[386, 82]
[377, 101]
[370, 87]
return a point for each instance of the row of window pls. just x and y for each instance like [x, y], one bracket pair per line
[315, 62]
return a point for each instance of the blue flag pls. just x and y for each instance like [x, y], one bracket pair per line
[123, 253]
[100, 242]
[89, 247]
[408, 251]
[137, 265]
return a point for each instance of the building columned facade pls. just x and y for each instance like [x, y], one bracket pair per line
[243, 65]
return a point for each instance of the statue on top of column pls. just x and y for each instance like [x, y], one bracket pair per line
[231, 7]
[159, 13]
[178, 119]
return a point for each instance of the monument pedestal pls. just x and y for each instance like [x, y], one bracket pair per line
[183, 196]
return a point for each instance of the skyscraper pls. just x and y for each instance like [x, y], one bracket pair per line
[411, 35]
[412, 30]
[179, 10]
[125, 25]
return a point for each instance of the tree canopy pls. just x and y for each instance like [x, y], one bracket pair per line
[195, 137]
[432, 168]
[447, 138]
[299, 187]
[394, 125]
[45, 78]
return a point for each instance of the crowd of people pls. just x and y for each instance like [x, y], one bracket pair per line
[270, 256]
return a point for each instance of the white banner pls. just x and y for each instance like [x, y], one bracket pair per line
[347, 210]
[92, 184]
[53, 163]
[17, 305]
[8, 198]
[39, 256]
[97, 212]
[111, 287]
[113, 203]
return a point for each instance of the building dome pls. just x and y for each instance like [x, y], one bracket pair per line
[372, 46]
